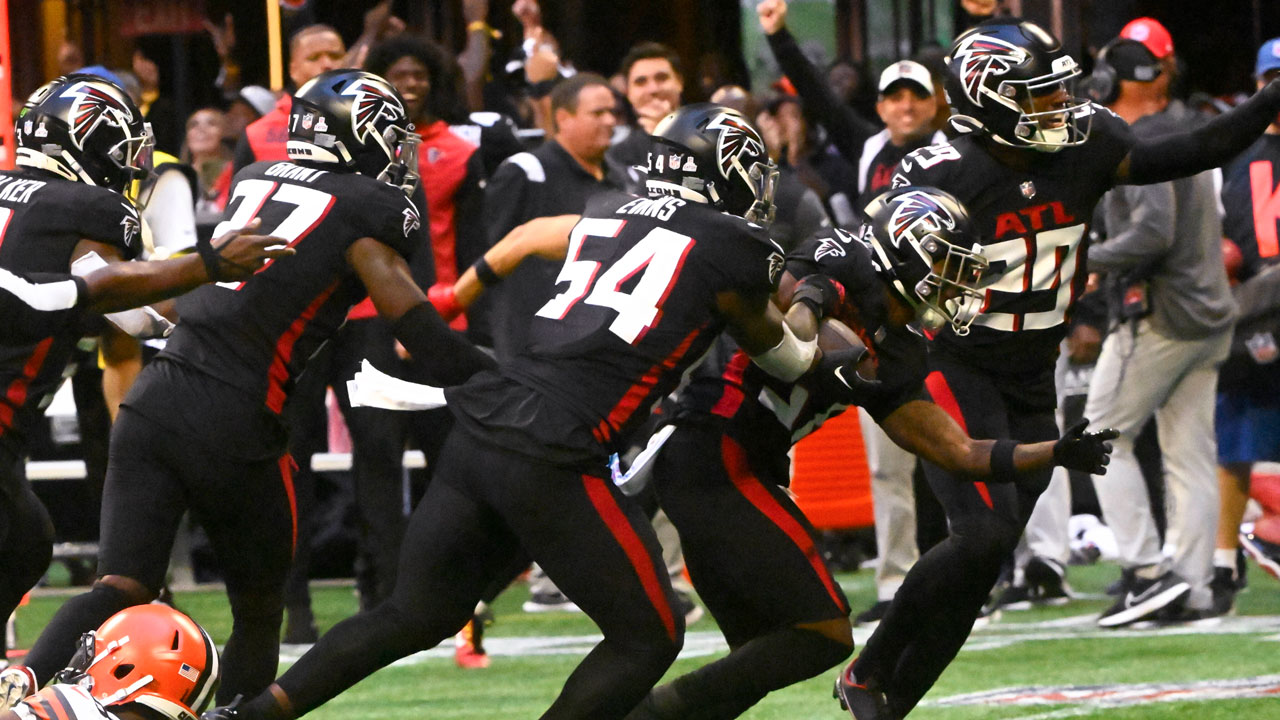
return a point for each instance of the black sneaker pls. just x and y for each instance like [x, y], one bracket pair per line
[1122, 584]
[1145, 600]
[1015, 597]
[874, 614]
[686, 606]
[549, 602]
[1224, 587]
[1046, 580]
[1266, 554]
[861, 702]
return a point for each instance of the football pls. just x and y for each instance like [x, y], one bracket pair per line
[834, 336]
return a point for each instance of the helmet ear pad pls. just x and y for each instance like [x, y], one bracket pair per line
[1103, 86]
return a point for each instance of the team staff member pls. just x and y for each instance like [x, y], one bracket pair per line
[555, 179]
[525, 468]
[1030, 165]
[234, 360]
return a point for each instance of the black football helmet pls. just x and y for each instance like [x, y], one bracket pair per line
[922, 244]
[84, 128]
[997, 76]
[356, 120]
[712, 154]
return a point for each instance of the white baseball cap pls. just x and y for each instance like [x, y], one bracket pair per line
[907, 71]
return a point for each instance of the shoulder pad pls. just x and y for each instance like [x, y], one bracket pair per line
[531, 165]
[486, 119]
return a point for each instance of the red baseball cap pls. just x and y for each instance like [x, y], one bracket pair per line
[1151, 33]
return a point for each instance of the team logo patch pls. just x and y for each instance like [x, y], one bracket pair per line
[980, 56]
[916, 214]
[129, 226]
[373, 100]
[94, 106]
[833, 246]
[411, 221]
[776, 261]
[735, 139]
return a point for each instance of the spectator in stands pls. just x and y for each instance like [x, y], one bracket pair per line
[205, 153]
[655, 83]
[1164, 243]
[158, 110]
[1248, 412]
[905, 105]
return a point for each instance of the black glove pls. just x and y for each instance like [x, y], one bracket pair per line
[1085, 452]
[821, 293]
[837, 377]
[224, 712]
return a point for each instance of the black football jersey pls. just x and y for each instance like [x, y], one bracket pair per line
[768, 415]
[42, 218]
[39, 305]
[634, 305]
[1251, 198]
[257, 335]
[1032, 224]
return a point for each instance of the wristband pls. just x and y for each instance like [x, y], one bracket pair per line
[211, 259]
[485, 273]
[1002, 470]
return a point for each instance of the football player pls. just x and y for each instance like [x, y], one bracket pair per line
[646, 287]
[144, 662]
[202, 427]
[1030, 164]
[80, 142]
[722, 475]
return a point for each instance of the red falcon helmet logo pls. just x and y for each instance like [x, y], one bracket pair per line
[917, 214]
[736, 138]
[979, 56]
[373, 100]
[92, 107]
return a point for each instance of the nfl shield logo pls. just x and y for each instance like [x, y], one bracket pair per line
[307, 120]
[1028, 189]
[1262, 346]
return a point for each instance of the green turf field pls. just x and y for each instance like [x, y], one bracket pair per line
[1041, 658]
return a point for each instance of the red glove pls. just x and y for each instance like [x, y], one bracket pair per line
[441, 298]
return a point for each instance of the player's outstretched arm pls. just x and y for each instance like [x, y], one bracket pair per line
[447, 356]
[545, 237]
[1209, 146]
[785, 347]
[925, 429]
[234, 256]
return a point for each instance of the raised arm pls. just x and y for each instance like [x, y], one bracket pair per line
[1209, 146]
[847, 130]
[545, 237]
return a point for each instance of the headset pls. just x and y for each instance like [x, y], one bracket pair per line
[1103, 86]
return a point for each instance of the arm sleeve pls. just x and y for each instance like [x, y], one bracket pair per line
[1149, 231]
[846, 129]
[1208, 146]
[444, 356]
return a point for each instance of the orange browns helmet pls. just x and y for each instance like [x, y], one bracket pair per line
[152, 655]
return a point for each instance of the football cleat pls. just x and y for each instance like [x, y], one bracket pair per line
[861, 702]
[468, 650]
